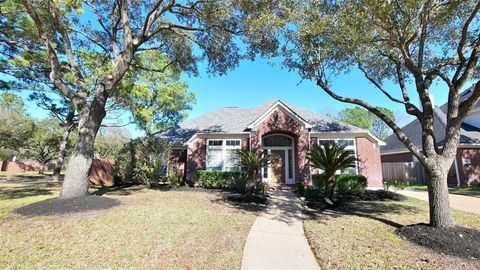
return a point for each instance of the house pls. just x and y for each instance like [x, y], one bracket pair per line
[465, 169]
[284, 131]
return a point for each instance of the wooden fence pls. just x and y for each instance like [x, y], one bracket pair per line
[410, 172]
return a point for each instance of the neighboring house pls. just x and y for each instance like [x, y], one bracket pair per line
[465, 169]
[285, 132]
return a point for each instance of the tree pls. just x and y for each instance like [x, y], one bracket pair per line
[110, 142]
[64, 112]
[57, 37]
[251, 163]
[42, 146]
[157, 100]
[16, 126]
[330, 158]
[362, 118]
[422, 42]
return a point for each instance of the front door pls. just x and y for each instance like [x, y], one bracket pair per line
[277, 166]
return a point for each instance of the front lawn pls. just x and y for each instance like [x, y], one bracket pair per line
[473, 190]
[361, 235]
[149, 229]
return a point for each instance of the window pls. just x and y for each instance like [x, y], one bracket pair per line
[222, 155]
[277, 140]
[350, 147]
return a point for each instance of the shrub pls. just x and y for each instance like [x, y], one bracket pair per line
[219, 179]
[173, 177]
[319, 182]
[143, 161]
[351, 184]
[300, 187]
[397, 184]
[312, 194]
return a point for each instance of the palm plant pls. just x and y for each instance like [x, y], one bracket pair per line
[251, 163]
[330, 157]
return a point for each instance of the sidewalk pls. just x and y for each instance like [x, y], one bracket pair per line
[277, 240]
[460, 202]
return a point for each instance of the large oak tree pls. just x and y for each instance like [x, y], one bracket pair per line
[61, 33]
[412, 43]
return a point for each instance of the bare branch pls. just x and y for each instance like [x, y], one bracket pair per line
[396, 129]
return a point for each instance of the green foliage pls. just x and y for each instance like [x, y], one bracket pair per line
[157, 100]
[110, 142]
[362, 118]
[319, 182]
[312, 194]
[16, 127]
[251, 163]
[300, 187]
[330, 158]
[43, 145]
[396, 184]
[143, 160]
[174, 178]
[351, 184]
[217, 179]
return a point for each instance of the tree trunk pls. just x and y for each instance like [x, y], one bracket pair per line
[439, 201]
[76, 180]
[61, 154]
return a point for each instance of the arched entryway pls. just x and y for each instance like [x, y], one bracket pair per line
[280, 148]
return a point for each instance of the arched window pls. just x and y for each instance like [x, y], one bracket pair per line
[277, 140]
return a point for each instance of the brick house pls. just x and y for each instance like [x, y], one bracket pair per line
[465, 170]
[283, 131]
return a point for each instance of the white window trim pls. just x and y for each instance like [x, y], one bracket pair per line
[350, 147]
[224, 148]
[285, 148]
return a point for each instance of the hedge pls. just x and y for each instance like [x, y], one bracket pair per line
[222, 180]
[347, 184]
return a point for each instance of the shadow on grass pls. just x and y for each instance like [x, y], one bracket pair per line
[240, 202]
[372, 206]
[28, 190]
[57, 206]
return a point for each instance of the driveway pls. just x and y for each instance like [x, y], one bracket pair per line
[277, 240]
[460, 202]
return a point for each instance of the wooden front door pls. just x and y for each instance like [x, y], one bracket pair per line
[277, 165]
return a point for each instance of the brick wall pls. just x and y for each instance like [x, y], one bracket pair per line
[196, 158]
[369, 163]
[178, 159]
[469, 173]
[101, 172]
[280, 122]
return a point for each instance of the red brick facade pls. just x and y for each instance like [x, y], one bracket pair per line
[369, 163]
[280, 122]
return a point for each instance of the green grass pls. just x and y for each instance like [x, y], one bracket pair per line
[363, 237]
[150, 229]
[473, 190]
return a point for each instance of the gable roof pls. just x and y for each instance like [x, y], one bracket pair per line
[468, 133]
[239, 120]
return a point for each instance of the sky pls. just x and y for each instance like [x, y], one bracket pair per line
[255, 82]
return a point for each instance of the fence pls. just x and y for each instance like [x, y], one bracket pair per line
[410, 172]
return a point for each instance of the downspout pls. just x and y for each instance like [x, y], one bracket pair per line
[456, 171]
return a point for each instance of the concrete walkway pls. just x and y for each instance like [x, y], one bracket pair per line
[460, 202]
[277, 240]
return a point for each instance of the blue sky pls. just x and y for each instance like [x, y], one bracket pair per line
[253, 83]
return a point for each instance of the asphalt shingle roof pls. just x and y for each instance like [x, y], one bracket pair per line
[468, 133]
[235, 120]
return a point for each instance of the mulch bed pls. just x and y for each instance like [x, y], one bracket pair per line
[67, 206]
[254, 198]
[369, 195]
[457, 241]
